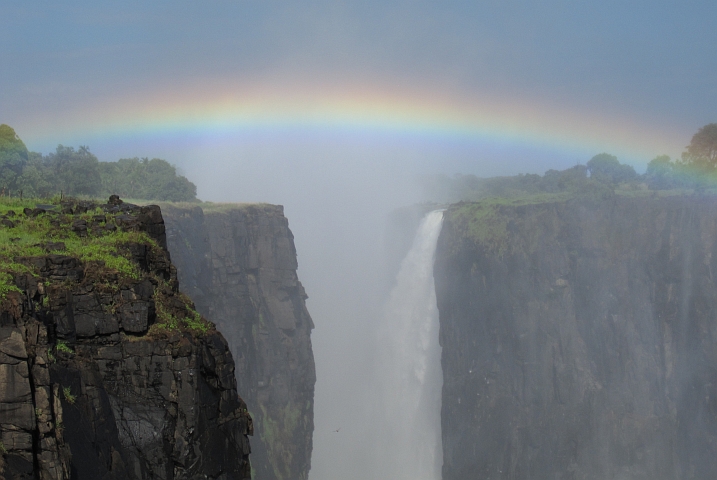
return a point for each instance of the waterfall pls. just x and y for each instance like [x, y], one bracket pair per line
[410, 367]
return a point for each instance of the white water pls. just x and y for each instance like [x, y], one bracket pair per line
[410, 378]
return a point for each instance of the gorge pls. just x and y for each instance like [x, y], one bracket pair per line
[577, 341]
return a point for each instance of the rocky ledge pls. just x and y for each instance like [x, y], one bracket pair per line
[106, 370]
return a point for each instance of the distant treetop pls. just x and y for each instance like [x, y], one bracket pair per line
[702, 150]
[79, 172]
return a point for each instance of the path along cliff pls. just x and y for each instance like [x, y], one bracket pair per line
[106, 370]
[238, 264]
[579, 339]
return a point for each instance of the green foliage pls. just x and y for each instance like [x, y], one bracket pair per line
[13, 157]
[62, 346]
[485, 224]
[195, 322]
[605, 173]
[154, 179]
[3, 450]
[605, 168]
[79, 172]
[176, 312]
[702, 151]
[6, 284]
[27, 237]
[75, 172]
[71, 399]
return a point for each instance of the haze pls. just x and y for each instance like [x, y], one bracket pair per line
[562, 80]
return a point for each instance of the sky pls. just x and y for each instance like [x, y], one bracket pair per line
[332, 108]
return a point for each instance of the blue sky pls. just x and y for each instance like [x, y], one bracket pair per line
[649, 62]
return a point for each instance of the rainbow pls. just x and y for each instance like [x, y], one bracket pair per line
[217, 110]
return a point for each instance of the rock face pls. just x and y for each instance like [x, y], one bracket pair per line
[580, 340]
[92, 386]
[238, 264]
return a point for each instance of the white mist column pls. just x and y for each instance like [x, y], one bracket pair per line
[410, 375]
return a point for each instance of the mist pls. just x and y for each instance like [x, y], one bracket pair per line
[337, 201]
[338, 198]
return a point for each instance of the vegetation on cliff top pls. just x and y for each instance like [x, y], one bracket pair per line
[602, 176]
[28, 231]
[79, 172]
[96, 236]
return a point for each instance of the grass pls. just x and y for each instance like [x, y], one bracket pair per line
[104, 254]
[27, 237]
[71, 399]
[484, 222]
[63, 347]
[176, 316]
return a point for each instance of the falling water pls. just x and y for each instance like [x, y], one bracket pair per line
[410, 367]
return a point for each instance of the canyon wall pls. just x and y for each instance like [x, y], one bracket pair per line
[106, 371]
[238, 264]
[579, 339]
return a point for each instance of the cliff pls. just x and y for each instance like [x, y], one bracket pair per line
[238, 263]
[579, 339]
[106, 370]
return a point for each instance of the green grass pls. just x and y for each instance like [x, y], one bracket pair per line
[485, 224]
[63, 347]
[71, 399]
[28, 235]
[173, 318]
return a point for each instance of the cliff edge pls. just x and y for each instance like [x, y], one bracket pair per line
[579, 339]
[238, 264]
[106, 370]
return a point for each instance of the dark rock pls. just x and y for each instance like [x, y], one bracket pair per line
[239, 267]
[87, 393]
[579, 341]
[134, 317]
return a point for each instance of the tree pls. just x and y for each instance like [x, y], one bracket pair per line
[606, 168]
[702, 150]
[37, 177]
[661, 173]
[76, 172]
[154, 179]
[13, 157]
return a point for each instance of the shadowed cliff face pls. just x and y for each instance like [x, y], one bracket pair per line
[239, 265]
[579, 340]
[105, 376]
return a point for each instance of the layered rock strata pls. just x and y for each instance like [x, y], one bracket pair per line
[238, 264]
[108, 376]
[579, 339]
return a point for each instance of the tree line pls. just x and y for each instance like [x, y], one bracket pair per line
[80, 173]
[600, 177]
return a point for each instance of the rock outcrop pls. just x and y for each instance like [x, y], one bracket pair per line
[579, 339]
[238, 264]
[110, 374]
